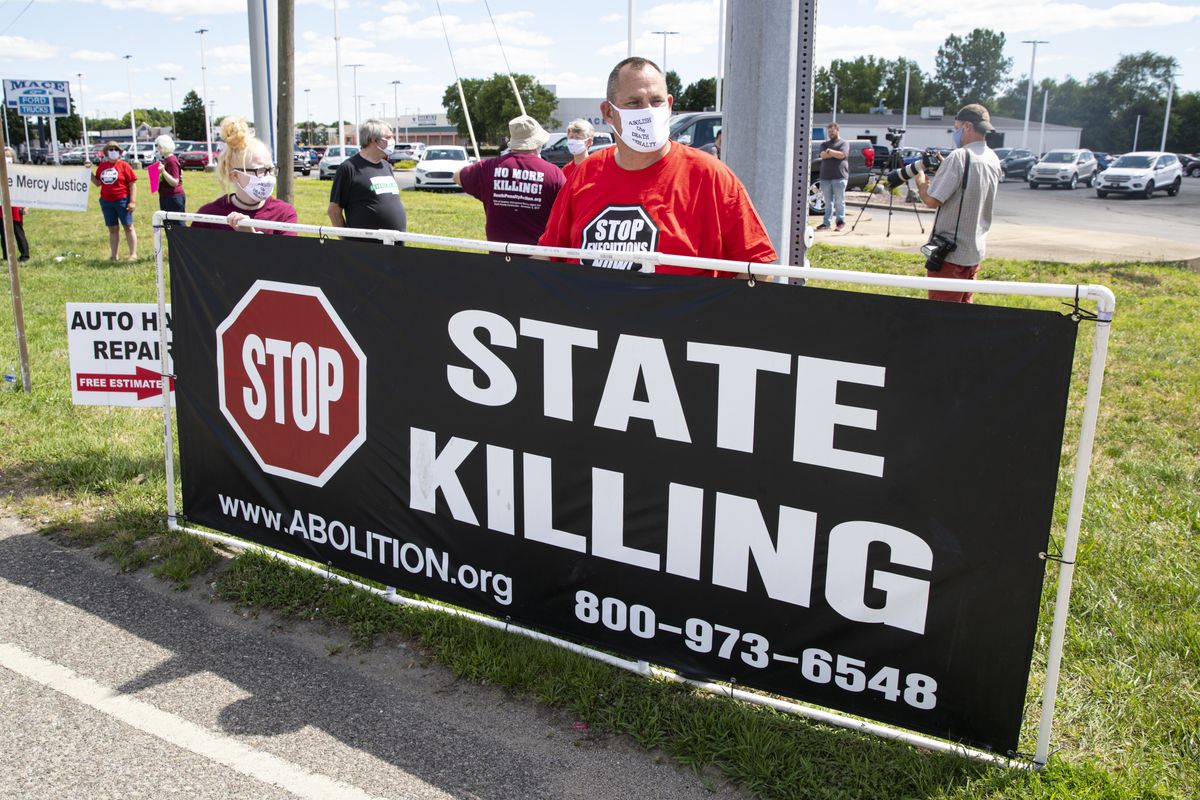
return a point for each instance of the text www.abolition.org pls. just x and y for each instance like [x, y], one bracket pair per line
[376, 547]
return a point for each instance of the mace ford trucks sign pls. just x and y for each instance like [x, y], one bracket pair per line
[38, 98]
[834, 496]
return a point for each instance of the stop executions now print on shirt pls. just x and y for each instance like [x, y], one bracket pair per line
[622, 228]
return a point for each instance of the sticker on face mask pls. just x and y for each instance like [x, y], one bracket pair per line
[624, 229]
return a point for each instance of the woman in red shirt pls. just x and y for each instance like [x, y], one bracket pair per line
[118, 193]
[10, 156]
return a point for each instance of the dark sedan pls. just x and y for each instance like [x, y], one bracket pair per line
[1017, 162]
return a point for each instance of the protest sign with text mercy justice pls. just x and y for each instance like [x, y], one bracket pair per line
[115, 354]
[52, 188]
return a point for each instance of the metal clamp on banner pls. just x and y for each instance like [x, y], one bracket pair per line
[1077, 313]
[1046, 556]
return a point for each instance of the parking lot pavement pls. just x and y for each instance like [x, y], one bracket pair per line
[1049, 225]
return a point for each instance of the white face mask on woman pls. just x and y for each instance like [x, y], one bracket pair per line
[645, 129]
[114, 155]
[576, 146]
[258, 189]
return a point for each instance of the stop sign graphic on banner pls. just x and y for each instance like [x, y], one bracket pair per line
[292, 381]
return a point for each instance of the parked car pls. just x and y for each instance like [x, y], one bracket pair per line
[1065, 168]
[75, 155]
[407, 151]
[301, 162]
[696, 128]
[860, 174]
[555, 151]
[141, 156]
[1142, 174]
[1016, 163]
[333, 158]
[437, 166]
[194, 155]
[1191, 165]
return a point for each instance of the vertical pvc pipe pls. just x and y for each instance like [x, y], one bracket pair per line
[168, 443]
[1083, 465]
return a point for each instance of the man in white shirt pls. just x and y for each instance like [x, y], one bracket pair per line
[964, 209]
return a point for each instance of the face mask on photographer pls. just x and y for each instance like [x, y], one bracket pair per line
[957, 137]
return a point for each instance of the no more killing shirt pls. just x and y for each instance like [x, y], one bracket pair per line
[368, 194]
[686, 203]
[517, 191]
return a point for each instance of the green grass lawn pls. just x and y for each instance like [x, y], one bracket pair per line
[1128, 722]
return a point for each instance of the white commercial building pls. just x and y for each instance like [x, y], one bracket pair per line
[932, 128]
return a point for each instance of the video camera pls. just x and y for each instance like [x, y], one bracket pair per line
[894, 135]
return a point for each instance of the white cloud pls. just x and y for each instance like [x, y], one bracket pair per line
[18, 48]
[514, 32]
[93, 55]
[109, 97]
[613, 18]
[1034, 17]
[178, 8]
[168, 66]
[400, 7]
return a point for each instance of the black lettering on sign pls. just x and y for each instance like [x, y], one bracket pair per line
[626, 229]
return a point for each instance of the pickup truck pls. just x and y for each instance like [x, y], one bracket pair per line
[860, 173]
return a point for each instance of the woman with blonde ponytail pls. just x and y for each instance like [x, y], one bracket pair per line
[245, 166]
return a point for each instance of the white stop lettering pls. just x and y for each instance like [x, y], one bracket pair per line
[316, 379]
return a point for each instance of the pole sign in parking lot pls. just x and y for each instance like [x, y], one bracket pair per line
[38, 98]
[839, 497]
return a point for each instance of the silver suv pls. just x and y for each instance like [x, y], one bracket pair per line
[1066, 168]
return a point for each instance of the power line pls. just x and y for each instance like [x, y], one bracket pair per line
[14, 22]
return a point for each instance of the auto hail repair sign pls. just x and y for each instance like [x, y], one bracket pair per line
[292, 381]
[115, 353]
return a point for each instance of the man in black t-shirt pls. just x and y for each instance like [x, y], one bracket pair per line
[365, 193]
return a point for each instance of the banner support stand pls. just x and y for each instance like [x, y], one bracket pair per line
[14, 275]
[1102, 295]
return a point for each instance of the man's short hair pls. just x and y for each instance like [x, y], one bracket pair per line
[371, 130]
[633, 62]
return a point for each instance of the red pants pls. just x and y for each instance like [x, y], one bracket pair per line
[949, 270]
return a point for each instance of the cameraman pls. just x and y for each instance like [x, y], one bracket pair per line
[964, 209]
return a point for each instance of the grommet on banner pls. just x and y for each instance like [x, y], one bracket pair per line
[1045, 556]
[1077, 313]
[749, 282]
[507, 257]
[321, 237]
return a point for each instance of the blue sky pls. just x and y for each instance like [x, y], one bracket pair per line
[555, 41]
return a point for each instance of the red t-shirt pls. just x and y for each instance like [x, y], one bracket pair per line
[18, 214]
[170, 165]
[274, 210]
[517, 191]
[568, 168]
[687, 203]
[115, 179]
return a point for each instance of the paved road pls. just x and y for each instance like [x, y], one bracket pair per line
[114, 686]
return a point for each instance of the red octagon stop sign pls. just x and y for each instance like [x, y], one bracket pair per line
[292, 381]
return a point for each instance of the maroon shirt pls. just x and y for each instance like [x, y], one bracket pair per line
[517, 191]
[170, 165]
[274, 210]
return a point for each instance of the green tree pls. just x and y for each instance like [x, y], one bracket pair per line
[491, 104]
[893, 85]
[972, 69]
[14, 133]
[860, 84]
[674, 84]
[699, 96]
[189, 120]
[154, 117]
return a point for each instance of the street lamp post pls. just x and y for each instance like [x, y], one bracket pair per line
[357, 118]
[665, 34]
[132, 124]
[171, 87]
[337, 73]
[1167, 116]
[1029, 89]
[1042, 134]
[833, 116]
[396, 100]
[204, 104]
[87, 149]
[308, 117]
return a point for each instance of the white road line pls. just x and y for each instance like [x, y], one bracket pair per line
[178, 731]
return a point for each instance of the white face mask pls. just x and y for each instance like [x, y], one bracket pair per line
[8, 160]
[258, 188]
[388, 146]
[576, 146]
[114, 155]
[645, 129]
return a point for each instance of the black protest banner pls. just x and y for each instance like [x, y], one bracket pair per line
[834, 496]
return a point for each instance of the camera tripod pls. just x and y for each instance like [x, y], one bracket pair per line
[895, 162]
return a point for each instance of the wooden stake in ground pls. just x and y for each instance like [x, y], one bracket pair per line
[14, 279]
[284, 141]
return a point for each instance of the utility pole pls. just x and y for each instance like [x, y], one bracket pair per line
[396, 101]
[204, 100]
[1137, 128]
[721, 36]
[286, 114]
[87, 148]
[834, 115]
[665, 34]
[1042, 135]
[171, 88]
[1029, 89]
[132, 124]
[904, 113]
[629, 53]
[1167, 116]
[308, 131]
[357, 117]
[337, 74]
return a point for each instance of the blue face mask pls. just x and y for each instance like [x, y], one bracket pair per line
[958, 137]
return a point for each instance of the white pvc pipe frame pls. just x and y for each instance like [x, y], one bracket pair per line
[1105, 306]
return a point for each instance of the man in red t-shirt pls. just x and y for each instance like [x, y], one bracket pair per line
[518, 188]
[649, 195]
